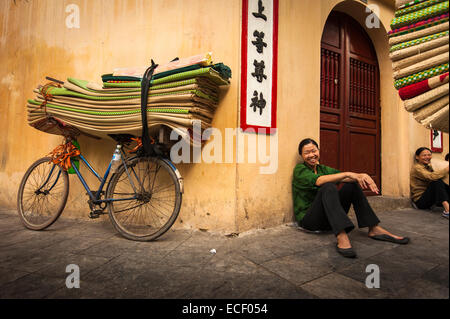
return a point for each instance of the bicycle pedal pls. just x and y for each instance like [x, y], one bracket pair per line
[95, 214]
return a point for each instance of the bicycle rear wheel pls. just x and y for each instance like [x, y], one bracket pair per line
[156, 203]
[42, 194]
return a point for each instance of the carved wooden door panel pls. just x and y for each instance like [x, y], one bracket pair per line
[349, 98]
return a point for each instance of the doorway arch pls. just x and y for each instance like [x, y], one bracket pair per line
[350, 114]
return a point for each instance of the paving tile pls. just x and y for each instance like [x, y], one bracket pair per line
[231, 263]
[267, 285]
[31, 286]
[17, 236]
[85, 263]
[109, 248]
[421, 250]
[8, 224]
[327, 256]
[257, 252]
[438, 275]
[395, 270]
[207, 284]
[336, 286]
[41, 240]
[296, 269]
[31, 260]
[422, 289]
[87, 290]
[74, 244]
[8, 275]
[188, 256]
[95, 229]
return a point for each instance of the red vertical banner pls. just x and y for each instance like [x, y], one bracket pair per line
[259, 56]
[436, 141]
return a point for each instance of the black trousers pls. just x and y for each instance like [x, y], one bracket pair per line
[330, 208]
[436, 193]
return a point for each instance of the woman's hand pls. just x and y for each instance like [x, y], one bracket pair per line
[365, 181]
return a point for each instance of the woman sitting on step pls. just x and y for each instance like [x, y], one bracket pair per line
[320, 206]
[427, 185]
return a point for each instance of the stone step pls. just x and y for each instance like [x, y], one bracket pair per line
[388, 203]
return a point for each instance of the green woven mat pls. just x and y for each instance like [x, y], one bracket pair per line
[155, 110]
[417, 7]
[83, 84]
[208, 73]
[137, 85]
[428, 73]
[55, 91]
[222, 69]
[409, 4]
[418, 41]
[420, 15]
[422, 27]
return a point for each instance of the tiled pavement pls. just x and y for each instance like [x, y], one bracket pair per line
[281, 262]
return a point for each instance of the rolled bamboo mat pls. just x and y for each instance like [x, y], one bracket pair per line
[418, 34]
[415, 6]
[430, 108]
[417, 49]
[419, 15]
[401, 64]
[416, 89]
[420, 76]
[419, 25]
[400, 4]
[415, 103]
[418, 41]
[438, 121]
[428, 63]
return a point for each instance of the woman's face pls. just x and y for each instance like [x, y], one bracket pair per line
[310, 154]
[424, 157]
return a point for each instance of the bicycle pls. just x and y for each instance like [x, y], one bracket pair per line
[140, 207]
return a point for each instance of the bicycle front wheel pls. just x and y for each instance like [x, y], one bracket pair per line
[145, 199]
[42, 194]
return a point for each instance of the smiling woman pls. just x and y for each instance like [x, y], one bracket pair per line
[320, 206]
[426, 184]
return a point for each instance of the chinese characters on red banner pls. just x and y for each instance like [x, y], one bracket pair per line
[259, 64]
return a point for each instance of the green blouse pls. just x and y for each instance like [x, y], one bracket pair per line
[304, 187]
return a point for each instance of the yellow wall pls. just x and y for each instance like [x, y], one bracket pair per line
[230, 197]
[36, 43]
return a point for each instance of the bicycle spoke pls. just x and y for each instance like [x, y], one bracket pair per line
[152, 212]
[43, 193]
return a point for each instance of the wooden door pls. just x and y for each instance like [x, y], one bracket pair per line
[349, 99]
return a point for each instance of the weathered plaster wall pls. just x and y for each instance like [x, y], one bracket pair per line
[35, 43]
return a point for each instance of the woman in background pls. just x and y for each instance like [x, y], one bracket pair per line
[426, 184]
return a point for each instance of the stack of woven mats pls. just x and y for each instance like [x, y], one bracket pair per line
[419, 53]
[182, 92]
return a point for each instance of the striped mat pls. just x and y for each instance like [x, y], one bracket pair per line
[420, 60]
[176, 100]
[423, 14]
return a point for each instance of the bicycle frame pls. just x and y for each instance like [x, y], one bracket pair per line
[96, 198]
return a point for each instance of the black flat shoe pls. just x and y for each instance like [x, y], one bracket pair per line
[346, 252]
[391, 239]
